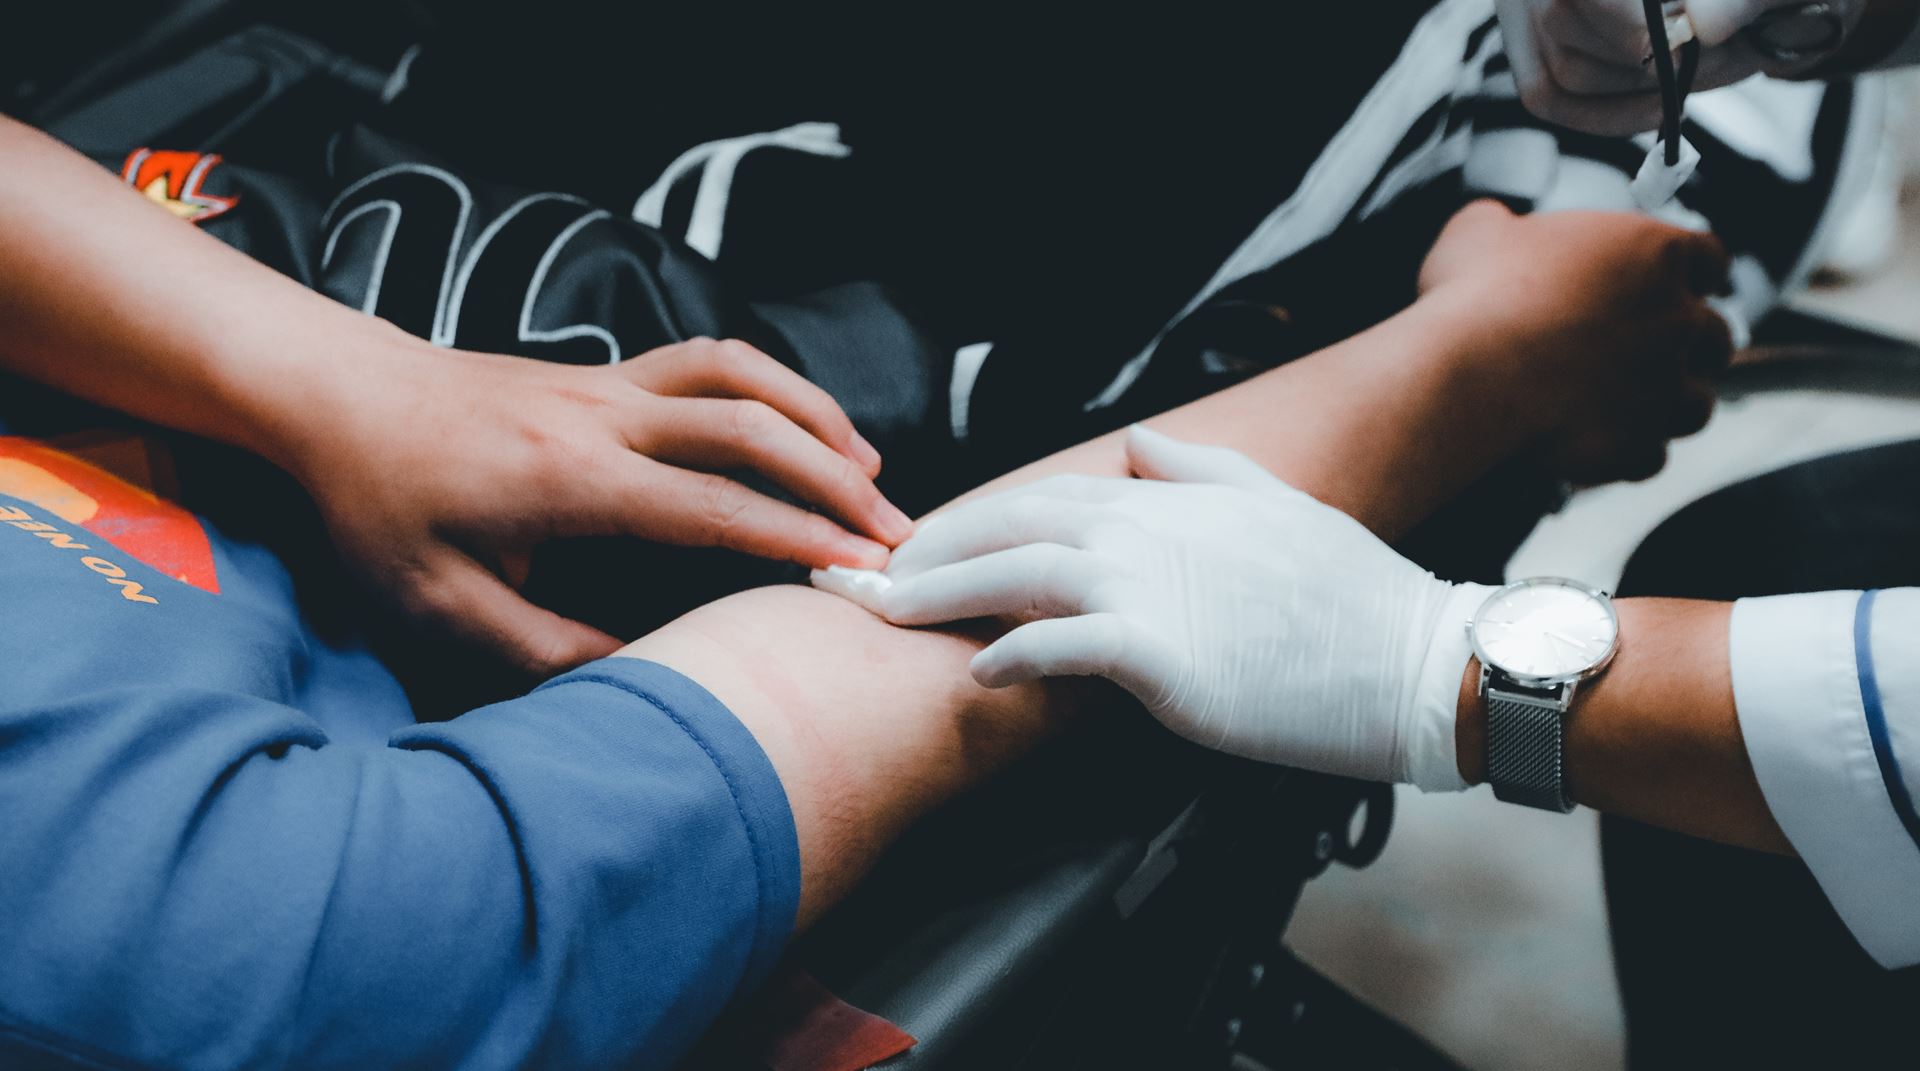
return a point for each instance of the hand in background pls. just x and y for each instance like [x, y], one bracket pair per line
[1610, 311]
[441, 470]
[1582, 63]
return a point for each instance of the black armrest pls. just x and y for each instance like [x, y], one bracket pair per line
[1107, 901]
[1797, 350]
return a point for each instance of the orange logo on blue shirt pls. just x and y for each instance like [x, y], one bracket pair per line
[136, 521]
[172, 180]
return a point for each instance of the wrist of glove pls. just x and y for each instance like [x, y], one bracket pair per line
[1244, 614]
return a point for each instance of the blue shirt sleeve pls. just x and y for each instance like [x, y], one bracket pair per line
[193, 874]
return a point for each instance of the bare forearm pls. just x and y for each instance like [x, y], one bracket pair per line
[1655, 738]
[1385, 426]
[871, 725]
[108, 298]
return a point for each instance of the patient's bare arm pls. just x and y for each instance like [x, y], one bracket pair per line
[869, 725]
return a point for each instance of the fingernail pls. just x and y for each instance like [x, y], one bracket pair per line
[893, 524]
[858, 553]
[865, 454]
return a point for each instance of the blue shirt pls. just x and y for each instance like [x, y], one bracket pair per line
[225, 842]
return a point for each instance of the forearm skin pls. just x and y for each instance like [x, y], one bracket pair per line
[1656, 737]
[870, 726]
[107, 298]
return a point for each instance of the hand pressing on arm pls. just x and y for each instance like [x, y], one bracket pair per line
[1244, 614]
[1385, 426]
[438, 471]
[1250, 617]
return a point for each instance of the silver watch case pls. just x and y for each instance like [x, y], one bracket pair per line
[1488, 663]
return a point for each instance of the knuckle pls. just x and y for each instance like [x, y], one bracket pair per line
[852, 484]
[737, 355]
[1047, 589]
[721, 508]
[1113, 531]
[638, 364]
[1561, 66]
[561, 459]
[751, 420]
[544, 654]
[1111, 593]
[1538, 95]
[692, 351]
[1061, 486]
[816, 532]
[417, 596]
[1028, 511]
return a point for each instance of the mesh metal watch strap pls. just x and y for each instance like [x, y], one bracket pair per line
[1524, 750]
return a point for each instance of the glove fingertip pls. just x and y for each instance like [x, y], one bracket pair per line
[990, 670]
[865, 588]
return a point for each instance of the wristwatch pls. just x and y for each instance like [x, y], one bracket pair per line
[1537, 640]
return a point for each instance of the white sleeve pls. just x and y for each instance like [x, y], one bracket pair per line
[1828, 691]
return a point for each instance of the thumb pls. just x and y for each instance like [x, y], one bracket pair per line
[464, 598]
[1153, 456]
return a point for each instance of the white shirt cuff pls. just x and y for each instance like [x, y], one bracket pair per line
[1797, 687]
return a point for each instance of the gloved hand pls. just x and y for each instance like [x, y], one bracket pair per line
[1581, 63]
[1244, 614]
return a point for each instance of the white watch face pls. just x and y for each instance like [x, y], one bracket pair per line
[1546, 629]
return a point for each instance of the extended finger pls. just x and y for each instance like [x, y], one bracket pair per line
[477, 606]
[729, 368]
[1092, 645]
[1156, 456]
[995, 523]
[713, 434]
[699, 509]
[1044, 579]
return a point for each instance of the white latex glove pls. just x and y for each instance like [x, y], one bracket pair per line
[1246, 615]
[1579, 63]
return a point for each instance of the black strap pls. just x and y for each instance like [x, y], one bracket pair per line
[1674, 85]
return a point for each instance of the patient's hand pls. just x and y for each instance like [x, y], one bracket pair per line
[1610, 309]
[439, 471]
